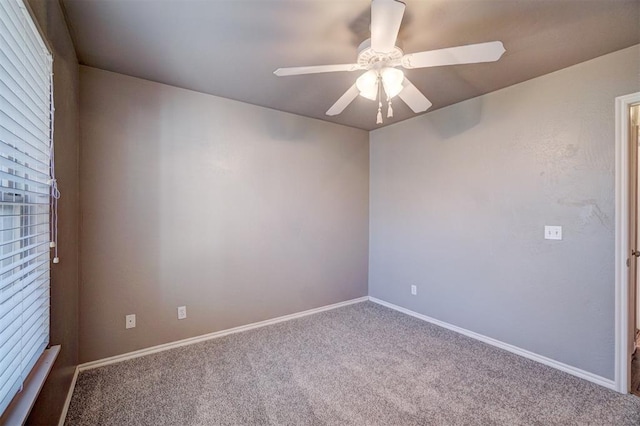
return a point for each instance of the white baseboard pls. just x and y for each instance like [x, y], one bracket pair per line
[599, 380]
[215, 335]
[65, 407]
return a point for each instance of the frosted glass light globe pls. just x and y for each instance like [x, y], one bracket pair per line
[367, 85]
[392, 81]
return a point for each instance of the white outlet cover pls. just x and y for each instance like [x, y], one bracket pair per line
[182, 312]
[552, 232]
[414, 290]
[130, 321]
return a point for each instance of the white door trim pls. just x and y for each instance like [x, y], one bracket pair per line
[622, 241]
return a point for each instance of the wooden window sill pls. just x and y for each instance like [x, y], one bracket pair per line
[20, 407]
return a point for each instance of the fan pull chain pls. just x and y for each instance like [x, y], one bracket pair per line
[389, 109]
[379, 116]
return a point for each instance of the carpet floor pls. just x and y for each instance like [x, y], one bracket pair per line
[362, 364]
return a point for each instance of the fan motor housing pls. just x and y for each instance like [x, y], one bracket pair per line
[370, 59]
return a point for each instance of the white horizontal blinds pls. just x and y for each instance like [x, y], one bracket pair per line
[25, 177]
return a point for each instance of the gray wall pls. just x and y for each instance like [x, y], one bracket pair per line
[239, 212]
[64, 276]
[460, 196]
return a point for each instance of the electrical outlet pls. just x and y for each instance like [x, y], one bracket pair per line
[414, 290]
[130, 321]
[182, 312]
[552, 232]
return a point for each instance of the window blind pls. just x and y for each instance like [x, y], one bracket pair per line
[26, 128]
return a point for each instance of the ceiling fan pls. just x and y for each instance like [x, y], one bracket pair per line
[380, 58]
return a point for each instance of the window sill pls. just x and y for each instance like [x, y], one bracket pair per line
[18, 411]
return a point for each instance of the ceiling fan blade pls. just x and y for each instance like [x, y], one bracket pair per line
[470, 54]
[413, 97]
[386, 17]
[344, 101]
[282, 72]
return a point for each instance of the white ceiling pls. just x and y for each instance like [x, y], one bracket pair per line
[231, 48]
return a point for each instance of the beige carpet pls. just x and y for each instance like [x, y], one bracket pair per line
[359, 365]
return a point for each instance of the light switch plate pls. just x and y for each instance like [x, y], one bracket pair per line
[552, 232]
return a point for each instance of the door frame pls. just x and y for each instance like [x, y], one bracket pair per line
[622, 302]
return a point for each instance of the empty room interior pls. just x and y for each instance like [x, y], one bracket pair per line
[319, 212]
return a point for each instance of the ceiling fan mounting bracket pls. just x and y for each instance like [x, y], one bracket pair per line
[370, 59]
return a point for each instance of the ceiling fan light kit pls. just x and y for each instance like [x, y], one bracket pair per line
[369, 82]
[380, 58]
